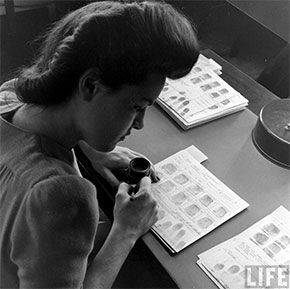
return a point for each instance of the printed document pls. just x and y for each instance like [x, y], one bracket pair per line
[266, 243]
[192, 201]
[200, 96]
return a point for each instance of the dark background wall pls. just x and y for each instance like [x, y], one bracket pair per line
[222, 27]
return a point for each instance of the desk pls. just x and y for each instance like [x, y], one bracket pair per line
[232, 158]
[257, 94]
[274, 15]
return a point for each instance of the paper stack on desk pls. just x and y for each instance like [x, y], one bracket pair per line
[200, 96]
[239, 262]
[191, 200]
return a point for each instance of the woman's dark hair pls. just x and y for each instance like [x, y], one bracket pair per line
[124, 41]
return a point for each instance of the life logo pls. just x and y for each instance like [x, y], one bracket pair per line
[267, 276]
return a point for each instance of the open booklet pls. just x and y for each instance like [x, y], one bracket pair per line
[200, 96]
[192, 201]
[266, 243]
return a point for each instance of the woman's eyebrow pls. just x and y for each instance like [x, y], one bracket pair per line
[150, 102]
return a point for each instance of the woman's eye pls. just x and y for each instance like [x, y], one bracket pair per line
[139, 109]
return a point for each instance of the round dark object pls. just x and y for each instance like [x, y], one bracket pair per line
[271, 134]
[138, 168]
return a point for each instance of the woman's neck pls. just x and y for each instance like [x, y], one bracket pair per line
[55, 123]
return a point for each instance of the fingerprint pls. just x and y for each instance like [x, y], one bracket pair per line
[219, 266]
[261, 238]
[181, 98]
[169, 168]
[185, 111]
[205, 87]
[220, 212]
[213, 107]
[166, 187]
[179, 198]
[180, 245]
[177, 227]
[194, 190]
[161, 215]
[179, 235]
[274, 248]
[195, 80]
[173, 97]
[181, 179]
[185, 103]
[285, 240]
[271, 229]
[205, 76]
[268, 252]
[234, 269]
[206, 200]
[223, 91]
[197, 69]
[215, 84]
[164, 226]
[192, 210]
[225, 102]
[215, 95]
[205, 222]
[178, 101]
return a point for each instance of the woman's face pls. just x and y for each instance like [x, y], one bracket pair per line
[111, 115]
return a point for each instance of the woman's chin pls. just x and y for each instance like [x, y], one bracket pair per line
[104, 148]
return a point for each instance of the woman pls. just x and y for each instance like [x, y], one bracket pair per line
[100, 67]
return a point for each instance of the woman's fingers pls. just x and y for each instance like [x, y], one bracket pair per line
[123, 191]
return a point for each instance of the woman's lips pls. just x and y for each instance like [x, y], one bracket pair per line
[123, 137]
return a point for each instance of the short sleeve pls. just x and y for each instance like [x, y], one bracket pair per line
[54, 233]
[8, 98]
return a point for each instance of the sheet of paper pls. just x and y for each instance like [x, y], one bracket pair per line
[197, 154]
[265, 243]
[192, 201]
[200, 94]
[207, 63]
[213, 279]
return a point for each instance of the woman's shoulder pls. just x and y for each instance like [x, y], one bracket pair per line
[71, 186]
[64, 192]
[55, 230]
[66, 203]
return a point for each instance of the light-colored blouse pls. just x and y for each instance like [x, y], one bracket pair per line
[49, 213]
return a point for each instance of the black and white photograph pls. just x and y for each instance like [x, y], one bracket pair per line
[144, 144]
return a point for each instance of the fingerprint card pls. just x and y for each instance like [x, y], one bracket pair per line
[192, 201]
[201, 93]
[263, 245]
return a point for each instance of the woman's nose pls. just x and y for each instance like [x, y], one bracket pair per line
[139, 120]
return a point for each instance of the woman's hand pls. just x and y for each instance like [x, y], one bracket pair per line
[131, 220]
[112, 165]
[135, 215]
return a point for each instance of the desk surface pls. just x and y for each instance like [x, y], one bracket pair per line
[233, 159]
[274, 15]
[257, 94]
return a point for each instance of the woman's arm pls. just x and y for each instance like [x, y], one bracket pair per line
[107, 164]
[133, 216]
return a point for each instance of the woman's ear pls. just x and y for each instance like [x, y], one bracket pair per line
[90, 84]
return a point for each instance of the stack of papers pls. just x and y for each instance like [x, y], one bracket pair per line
[191, 200]
[238, 262]
[200, 96]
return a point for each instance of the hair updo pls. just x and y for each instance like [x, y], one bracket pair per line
[124, 41]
